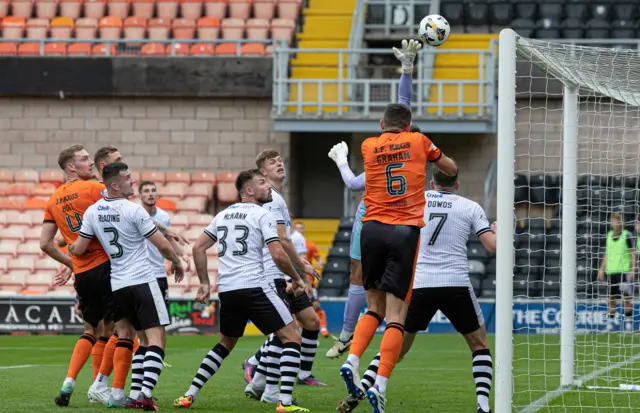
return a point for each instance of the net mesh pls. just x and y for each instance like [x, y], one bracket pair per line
[607, 356]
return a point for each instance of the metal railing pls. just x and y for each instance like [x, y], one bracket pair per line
[370, 94]
[128, 47]
[397, 17]
[356, 40]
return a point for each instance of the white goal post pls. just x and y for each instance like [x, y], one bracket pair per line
[568, 164]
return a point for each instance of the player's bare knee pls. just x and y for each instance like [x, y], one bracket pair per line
[156, 336]
[309, 319]
[477, 340]
[356, 272]
[125, 331]
[289, 334]
[407, 342]
[142, 338]
[228, 342]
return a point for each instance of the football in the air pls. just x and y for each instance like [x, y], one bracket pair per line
[434, 30]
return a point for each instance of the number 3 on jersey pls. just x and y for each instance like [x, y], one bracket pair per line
[396, 184]
[241, 240]
[114, 242]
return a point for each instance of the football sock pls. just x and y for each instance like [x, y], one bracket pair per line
[369, 377]
[356, 301]
[323, 318]
[80, 355]
[106, 367]
[137, 372]
[136, 344]
[121, 364]
[273, 366]
[255, 359]
[289, 366]
[152, 369]
[362, 336]
[209, 366]
[390, 349]
[96, 355]
[483, 374]
[308, 352]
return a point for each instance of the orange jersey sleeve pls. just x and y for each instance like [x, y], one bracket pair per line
[312, 252]
[395, 166]
[66, 209]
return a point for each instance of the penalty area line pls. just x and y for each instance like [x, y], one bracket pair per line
[544, 401]
[22, 366]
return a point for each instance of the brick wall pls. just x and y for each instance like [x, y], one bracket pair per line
[171, 134]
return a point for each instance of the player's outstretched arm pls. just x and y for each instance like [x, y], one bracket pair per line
[164, 246]
[488, 240]
[406, 55]
[172, 233]
[282, 261]
[339, 154]
[47, 236]
[80, 246]
[446, 165]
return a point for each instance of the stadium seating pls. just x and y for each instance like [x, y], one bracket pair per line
[156, 20]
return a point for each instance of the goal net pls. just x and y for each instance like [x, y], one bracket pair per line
[568, 174]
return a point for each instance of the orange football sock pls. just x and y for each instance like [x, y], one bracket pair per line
[365, 330]
[122, 362]
[106, 367]
[96, 355]
[323, 318]
[390, 349]
[136, 343]
[81, 353]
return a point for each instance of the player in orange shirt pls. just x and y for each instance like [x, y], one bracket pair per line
[395, 180]
[64, 212]
[314, 258]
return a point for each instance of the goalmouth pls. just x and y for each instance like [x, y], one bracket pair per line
[568, 163]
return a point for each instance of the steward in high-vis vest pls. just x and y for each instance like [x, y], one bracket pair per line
[619, 266]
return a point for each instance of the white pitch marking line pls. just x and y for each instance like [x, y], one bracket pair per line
[23, 366]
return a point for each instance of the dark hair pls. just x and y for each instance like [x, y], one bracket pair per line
[143, 184]
[414, 128]
[102, 154]
[444, 180]
[112, 171]
[67, 155]
[265, 156]
[244, 177]
[396, 116]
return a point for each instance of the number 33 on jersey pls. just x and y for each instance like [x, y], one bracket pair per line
[395, 166]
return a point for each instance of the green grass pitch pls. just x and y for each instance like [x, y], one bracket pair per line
[434, 377]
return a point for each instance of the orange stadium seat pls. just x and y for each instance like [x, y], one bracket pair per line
[95, 9]
[61, 28]
[200, 190]
[227, 192]
[135, 176]
[53, 176]
[110, 28]
[268, 51]
[191, 9]
[183, 29]
[11, 203]
[32, 234]
[180, 221]
[86, 28]
[8, 49]
[46, 9]
[43, 189]
[33, 216]
[159, 29]
[203, 176]
[39, 282]
[30, 248]
[167, 9]
[37, 28]
[227, 49]
[3, 188]
[22, 8]
[264, 9]
[208, 28]
[289, 9]
[20, 189]
[30, 49]
[257, 29]
[3, 265]
[14, 232]
[156, 177]
[26, 263]
[6, 175]
[135, 28]
[239, 9]
[232, 29]
[4, 7]
[177, 290]
[118, 8]
[178, 49]
[79, 49]
[174, 189]
[70, 8]
[13, 280]
[166, 204]
[282, 29]
[102, 50]
[178, 176]
[47, 264]
[9, 248]
[13, 27]
[144, 8]
[26, 175]
[191, 204]
[212, 265]
[192, 234]
[227, 177]
[15, 217]
[252, 49]
[55, 49]
[35, 203]
[64, 290]
[202, 49]
[200, 221]
[215, 8]
[153, 49]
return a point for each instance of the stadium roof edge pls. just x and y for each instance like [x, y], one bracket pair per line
[370, 126]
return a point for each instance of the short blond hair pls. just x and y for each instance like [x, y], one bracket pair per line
[67, 155]
[265, 155]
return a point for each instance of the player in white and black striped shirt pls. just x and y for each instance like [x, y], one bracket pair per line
[441, 281]
[246, 291]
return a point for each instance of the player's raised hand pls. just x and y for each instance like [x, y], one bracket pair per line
[298, 287]
[407, 54]
[177, 235]
[204, 293]
[308, 269]
[178, 272]
[339, 153]
[62, 276]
